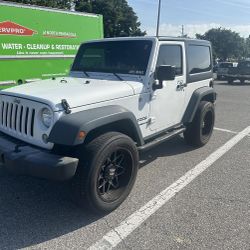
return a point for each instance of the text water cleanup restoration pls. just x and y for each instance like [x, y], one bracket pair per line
[18, 46]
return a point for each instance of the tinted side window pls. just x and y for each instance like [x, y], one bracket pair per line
[244, 64]
[199, 59]
[171, 55]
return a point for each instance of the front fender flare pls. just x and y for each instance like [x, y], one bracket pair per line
[66, 130]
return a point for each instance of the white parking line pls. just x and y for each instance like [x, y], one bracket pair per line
[126, 227]
[225, 130]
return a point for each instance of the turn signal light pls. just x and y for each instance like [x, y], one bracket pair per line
[81, 135]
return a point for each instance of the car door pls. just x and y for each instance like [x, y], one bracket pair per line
[167, 104]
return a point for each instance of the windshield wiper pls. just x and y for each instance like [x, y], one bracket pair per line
[115, 74]
[85, 73]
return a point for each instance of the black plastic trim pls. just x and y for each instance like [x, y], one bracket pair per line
[23, 159]
[198, 95]
[66, 130]
[158, 134]
[160, 139]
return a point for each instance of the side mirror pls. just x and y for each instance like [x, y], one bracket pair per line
[164, 73]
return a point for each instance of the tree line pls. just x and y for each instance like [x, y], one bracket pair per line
[227, 44]
[119, 18]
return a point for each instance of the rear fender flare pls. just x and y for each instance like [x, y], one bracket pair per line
[204, 93]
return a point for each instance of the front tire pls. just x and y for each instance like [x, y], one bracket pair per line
[106, 173]
[200, 129]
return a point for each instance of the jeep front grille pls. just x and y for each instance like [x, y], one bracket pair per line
[17, 118]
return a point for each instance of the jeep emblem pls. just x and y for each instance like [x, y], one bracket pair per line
[17, 101]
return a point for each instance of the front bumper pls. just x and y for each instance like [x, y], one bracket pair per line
[23, 159]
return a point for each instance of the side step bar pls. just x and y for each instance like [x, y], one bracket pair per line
[158, 140]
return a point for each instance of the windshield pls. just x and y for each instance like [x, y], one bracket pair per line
[125, 57]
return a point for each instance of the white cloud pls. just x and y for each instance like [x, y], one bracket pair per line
[192, 29]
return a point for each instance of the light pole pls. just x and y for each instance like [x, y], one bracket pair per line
[158, 19]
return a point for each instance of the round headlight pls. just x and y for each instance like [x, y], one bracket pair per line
[47, 117]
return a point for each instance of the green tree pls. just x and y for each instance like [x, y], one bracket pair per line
[60, 4]
[227, 44]
[119, 17]
[247, 47]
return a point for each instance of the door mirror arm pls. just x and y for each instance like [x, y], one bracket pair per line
[157, 85]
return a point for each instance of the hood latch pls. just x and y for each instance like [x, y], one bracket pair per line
[66, 106]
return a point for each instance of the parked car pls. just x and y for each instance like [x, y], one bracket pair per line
[122, 96]
[215, 68]
[241, 72]
[222, 69]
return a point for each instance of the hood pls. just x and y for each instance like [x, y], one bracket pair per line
[77, 91]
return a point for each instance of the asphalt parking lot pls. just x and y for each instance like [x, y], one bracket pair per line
[184, 198]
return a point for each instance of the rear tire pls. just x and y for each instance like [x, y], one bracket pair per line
[200, 129]
[242, 81]
[106, 173]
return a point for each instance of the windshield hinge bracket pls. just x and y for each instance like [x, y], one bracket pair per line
[66, 106]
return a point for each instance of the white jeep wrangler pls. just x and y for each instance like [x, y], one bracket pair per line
[122, 96]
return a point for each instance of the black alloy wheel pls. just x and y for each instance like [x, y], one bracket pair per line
[106, 172]
[207, 124]
[114, 175]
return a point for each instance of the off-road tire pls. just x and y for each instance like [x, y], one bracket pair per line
[199, 131]
[92, 160]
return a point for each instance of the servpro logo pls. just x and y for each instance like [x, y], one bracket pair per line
[11, 28]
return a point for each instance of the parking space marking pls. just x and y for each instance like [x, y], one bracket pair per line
[228, 131]
[225, 130]
[126, 227]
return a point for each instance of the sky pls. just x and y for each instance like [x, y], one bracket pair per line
[197, 16]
